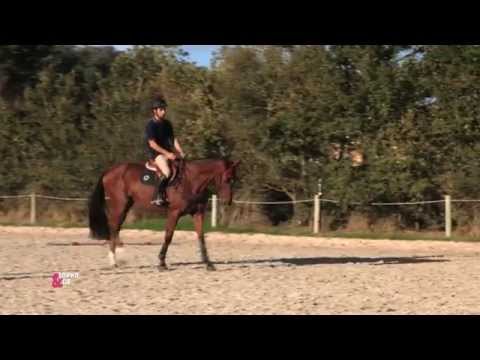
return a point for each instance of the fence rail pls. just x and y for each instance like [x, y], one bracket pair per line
[317, 200]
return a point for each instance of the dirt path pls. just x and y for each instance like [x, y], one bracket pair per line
[257, 274]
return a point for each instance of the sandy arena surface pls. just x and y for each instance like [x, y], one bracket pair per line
[256, 274]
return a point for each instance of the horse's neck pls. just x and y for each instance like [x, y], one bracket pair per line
[203, 176]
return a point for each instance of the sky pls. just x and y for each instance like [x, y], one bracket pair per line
[200, 54]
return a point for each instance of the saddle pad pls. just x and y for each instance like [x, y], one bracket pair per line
[149, 178]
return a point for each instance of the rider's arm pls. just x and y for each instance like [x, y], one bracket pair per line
[179, 148]
[158, 148]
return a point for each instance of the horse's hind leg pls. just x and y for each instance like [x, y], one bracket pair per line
[120, 249]
[118, 209]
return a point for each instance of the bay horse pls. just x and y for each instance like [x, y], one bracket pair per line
[187, 194]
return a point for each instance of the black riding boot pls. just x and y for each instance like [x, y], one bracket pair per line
[159, 195]
[163, 191]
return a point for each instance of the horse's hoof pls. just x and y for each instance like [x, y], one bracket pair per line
[121, 263]
[162, 268]
[210, 267]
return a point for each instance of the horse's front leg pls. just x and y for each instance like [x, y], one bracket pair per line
[198, 222]
[172, 220]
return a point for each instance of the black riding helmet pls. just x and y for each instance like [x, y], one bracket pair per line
[159, 103]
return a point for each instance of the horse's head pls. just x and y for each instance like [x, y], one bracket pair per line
[224, 182]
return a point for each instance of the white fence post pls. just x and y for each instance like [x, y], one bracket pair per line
[33, 209]
[448, 216]
[214, 211]
[316, 214]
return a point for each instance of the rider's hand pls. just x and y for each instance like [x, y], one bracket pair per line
[171, 156]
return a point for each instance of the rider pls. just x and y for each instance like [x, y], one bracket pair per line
[161, 147]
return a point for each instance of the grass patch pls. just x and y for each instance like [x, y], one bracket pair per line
[410, 236]
[52, 224]
[186, 224]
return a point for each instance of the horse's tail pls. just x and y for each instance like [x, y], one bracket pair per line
[97, 215]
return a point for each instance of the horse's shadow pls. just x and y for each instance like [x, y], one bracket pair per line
[274, 262]
[312, 261]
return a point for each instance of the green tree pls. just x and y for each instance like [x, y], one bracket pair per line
[54, 125]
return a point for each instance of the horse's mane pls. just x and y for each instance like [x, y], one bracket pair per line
[195, 162]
